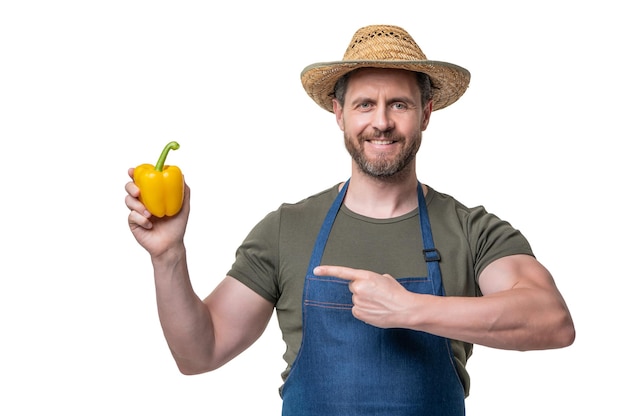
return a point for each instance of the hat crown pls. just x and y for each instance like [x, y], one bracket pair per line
[383, 43]
[385, 47]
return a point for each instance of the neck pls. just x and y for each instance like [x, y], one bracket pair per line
[382, 197]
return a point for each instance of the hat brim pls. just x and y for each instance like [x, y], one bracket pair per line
[449, 81]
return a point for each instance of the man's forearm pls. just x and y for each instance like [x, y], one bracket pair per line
[185, 319]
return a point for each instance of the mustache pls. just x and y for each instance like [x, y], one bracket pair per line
[377, 135]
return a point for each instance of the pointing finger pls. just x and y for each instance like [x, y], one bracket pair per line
[341, 272]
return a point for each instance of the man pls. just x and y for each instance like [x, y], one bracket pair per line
[381, 284]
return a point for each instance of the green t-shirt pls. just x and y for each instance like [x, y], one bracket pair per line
[274, 257]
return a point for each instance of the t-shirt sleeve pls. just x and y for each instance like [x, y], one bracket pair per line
[255, 262]
[492, 238]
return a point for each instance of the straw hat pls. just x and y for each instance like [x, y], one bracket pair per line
[385, 46]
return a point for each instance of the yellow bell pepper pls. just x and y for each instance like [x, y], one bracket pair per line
[161, 187]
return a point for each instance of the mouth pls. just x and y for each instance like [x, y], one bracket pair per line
[381, 142]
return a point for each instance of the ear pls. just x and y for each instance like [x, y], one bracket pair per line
[338, 110]
[426, 112]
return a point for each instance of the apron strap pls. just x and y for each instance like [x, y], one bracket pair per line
[431, 254]
[322, 237]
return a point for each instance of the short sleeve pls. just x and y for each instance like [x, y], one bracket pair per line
[492, 238]
[256, 262]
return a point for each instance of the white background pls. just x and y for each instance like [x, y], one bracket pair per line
[91, 88]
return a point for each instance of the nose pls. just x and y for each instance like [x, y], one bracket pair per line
[381, 119]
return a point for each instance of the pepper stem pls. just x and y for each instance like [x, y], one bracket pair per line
[161, 162]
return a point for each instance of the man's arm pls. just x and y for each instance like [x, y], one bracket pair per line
[521, 309]
[202, 335]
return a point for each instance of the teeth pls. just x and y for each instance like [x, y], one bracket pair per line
[382, 141]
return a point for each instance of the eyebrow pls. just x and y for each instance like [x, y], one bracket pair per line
[404, 99]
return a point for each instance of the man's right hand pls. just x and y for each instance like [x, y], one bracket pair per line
[156, 235]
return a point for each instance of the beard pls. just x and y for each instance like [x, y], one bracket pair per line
[382, 166]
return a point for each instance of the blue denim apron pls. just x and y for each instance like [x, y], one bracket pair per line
[346, 367]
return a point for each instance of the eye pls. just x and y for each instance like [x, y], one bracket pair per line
[399, 106]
